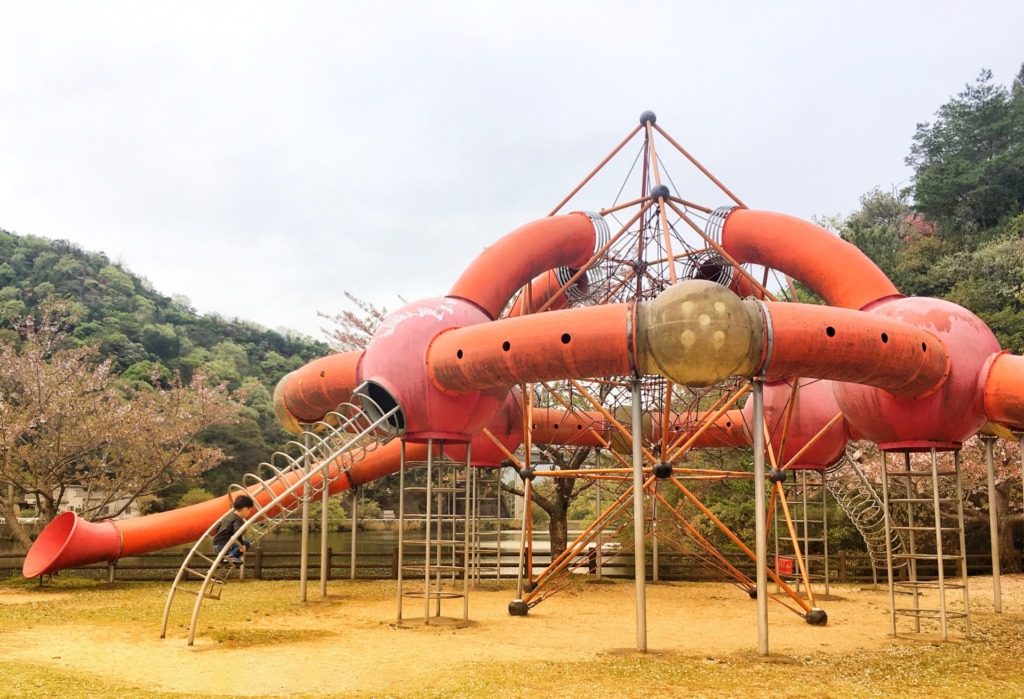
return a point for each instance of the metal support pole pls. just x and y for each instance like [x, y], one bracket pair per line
[760, 524]
[597, 515]
[993, 524]
[470, 517]
[824, 531]
[639, 564]
[304, 543]
[654, 539]
[325, 527]
[401, 527]
[939, 555]
[429, 534]
[355, 528]
[888, 544]
[963, 542]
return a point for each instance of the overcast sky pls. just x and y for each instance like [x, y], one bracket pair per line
[261, 158]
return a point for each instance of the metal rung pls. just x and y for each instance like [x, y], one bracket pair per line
[942, 500]
[929, 556]
[207, 595]
[929, 613]
[433, 594]
[433, 568]
[920, 474]
[438, 542]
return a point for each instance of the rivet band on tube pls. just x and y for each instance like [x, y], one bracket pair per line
[713, 229]
[769, 337]
[592, 280]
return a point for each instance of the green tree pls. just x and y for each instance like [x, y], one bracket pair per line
[65, 420]
[969, 162]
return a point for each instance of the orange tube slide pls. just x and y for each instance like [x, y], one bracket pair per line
[800, 340]
[505, 267]
[845, 345]
[806, 252]
[580, 343]
[307, 394]
[70, 541]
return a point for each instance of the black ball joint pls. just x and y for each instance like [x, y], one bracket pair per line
[816, 617]
[660, 191]
[662, 469]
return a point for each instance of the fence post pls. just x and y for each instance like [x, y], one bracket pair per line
[111, 570]
[257, 568]
[842, 566]
[394, 563]
[330, 555]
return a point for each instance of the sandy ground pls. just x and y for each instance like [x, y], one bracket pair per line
[351, 640]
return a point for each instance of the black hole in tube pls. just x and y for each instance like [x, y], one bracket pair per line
[830, 331]
[459, 354]
[566, 338]
[885, 337]
[728, 424]
[556, 425]
[579, 427]
[924, 347]
[506, 345]
[322, 373]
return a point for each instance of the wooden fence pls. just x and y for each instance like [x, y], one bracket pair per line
[382, 564]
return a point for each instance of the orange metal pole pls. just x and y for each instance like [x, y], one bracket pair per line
[736, 540]
[813, 440]
[703, 428]
[699, 166]
[597, 169]
[796, 545]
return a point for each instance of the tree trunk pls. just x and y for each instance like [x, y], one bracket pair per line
[10, 512]
[558, 530]
[1009, 562]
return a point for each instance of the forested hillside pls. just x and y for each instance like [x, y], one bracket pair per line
[143, 332]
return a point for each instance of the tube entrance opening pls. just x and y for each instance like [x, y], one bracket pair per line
[377, 402]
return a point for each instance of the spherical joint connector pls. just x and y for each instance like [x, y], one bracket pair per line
[648, 116]
[517, 607]
[698, 333]
[529, 586]
[752, 593]
[662, 469]
[816, 617]
[776, 475]
[660, 192]
[527, 474]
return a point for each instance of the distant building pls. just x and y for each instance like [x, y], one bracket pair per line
[78, 499]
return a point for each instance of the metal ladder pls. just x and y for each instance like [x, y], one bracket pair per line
[930, 499]
[343, 438]
[808, 507]
[854, 493]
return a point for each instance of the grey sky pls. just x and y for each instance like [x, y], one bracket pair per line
[261, 158]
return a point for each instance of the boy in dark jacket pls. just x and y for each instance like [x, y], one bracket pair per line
[241, 509]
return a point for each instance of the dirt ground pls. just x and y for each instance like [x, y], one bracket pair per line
[259, 641]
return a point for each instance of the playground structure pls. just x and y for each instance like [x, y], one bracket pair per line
[634, 333]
